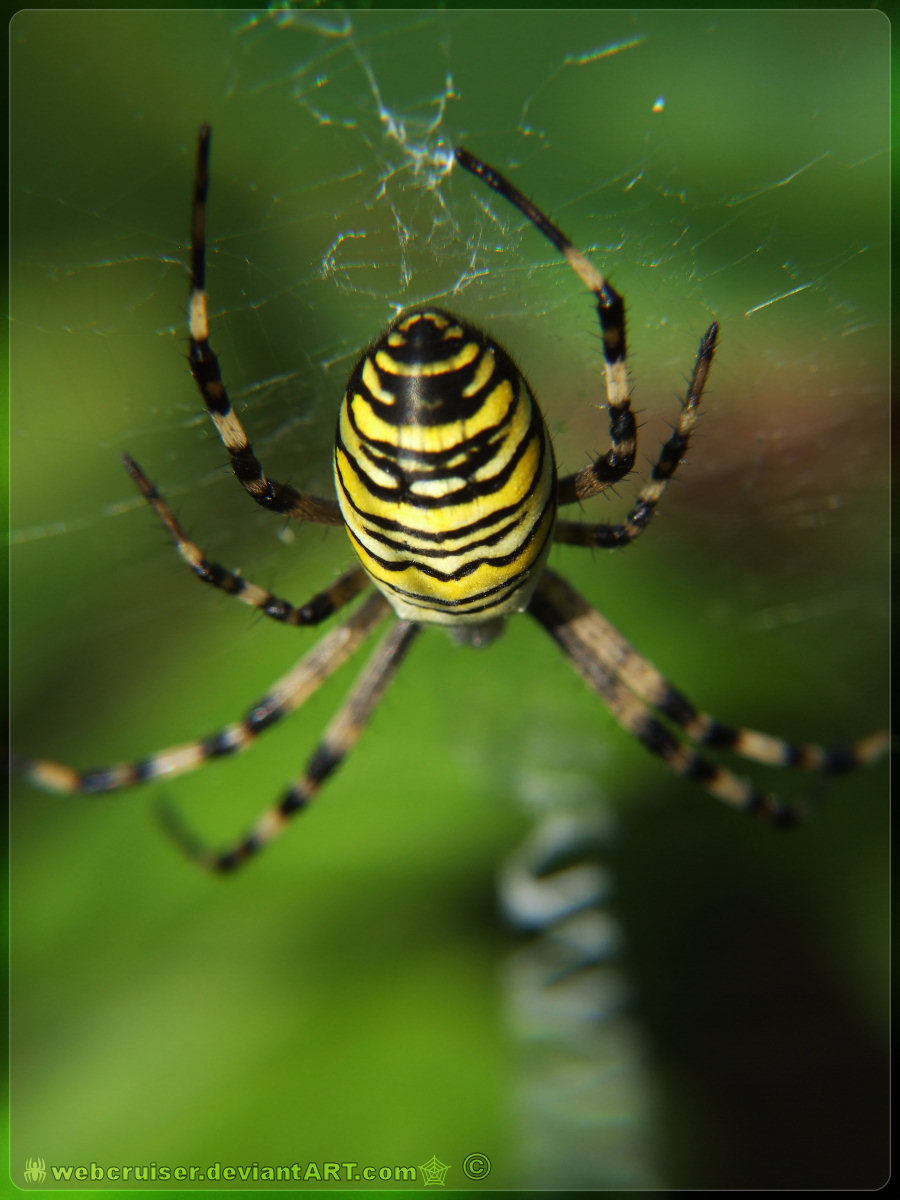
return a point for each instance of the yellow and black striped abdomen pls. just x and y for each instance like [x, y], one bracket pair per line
[444, 472]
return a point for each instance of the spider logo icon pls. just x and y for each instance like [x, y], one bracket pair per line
[35, 1170]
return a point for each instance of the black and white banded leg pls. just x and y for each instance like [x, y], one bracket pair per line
[339, 739]
[618, 461]
[673, 451]
[275, 496]
[655, 713]
[323, 604]
[288, 694]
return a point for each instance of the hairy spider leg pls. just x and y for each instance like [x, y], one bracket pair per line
[619, 459]
[288, 694]
[275, 496]
[637, 695]
[670, 456]
[338, 740]
[324, 604]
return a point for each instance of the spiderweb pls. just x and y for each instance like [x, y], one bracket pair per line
[713, 164]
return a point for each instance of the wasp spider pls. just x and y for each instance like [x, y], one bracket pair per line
[447, 487]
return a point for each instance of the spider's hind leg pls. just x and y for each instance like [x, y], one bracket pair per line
[275, 496]
[618, 461]
[673, 450]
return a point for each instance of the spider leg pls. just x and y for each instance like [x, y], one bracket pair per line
[637, 696]
[289, 693]
[277, 497]
[322, 605]
[340, 737]
[612, 466]
[671, 454]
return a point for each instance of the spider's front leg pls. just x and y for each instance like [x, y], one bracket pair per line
[647, 706]
[275, 496]
[338, 740]
[287, 695]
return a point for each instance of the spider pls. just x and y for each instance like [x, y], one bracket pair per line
[447, 487]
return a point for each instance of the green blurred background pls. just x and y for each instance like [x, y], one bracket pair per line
[342, 998]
